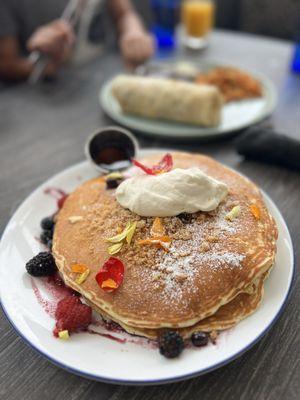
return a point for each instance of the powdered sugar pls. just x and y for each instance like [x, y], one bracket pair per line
[221, 259]
[186, 262]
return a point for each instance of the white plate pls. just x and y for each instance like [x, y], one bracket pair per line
[96, 357]
[235, 116]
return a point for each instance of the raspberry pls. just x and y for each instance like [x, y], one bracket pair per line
[170, 344]
[41, 265]
[72, 315]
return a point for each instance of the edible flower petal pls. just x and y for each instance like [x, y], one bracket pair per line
[109, 284]
[79, 268]
[121, 236]
[164, 239]
[82, 277]
[165, 165]
[234, 213]
[115, 248]
[157, 228]
[64, 335]
[159, 241]
[130, 232]
[114, 175]
[111, 275]
[255, 211]
[119, 239]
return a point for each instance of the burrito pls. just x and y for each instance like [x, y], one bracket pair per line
[168, 99]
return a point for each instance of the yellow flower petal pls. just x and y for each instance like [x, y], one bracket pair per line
[234, 213]
[115, 248]
[121, 236]
[64, 335]
[130, 232]
[114, 175]
[82, 277]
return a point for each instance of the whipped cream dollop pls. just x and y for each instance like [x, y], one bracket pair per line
[171, 193]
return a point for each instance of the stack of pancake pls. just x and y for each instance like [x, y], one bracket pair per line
[210, 279]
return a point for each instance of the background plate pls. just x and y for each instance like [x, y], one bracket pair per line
[236, 115]
[102, 359]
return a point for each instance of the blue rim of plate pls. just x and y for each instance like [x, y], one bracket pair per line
[155, 381]
[142, 125]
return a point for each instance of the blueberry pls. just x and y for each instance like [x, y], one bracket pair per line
[46, 236]
[199, 339]
[112, 183]
[47, 223]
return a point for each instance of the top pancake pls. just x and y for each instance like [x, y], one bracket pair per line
[210, 261]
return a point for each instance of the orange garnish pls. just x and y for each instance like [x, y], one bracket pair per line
[79, 268]
[158, 241]
[154, 240]
[157, 228]
[255, 211]
[109, 284]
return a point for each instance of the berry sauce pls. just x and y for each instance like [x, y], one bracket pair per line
[52, 289]
[107, 336]
[56, 290]
[57, 194]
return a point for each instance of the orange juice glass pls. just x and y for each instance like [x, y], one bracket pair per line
[198, 19]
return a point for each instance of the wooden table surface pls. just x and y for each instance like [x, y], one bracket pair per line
[42, 131]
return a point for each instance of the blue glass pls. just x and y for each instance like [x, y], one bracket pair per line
[296, 59]
[165, 20]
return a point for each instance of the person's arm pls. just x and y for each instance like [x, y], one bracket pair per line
[54, 39]
[135, 43]
[12, 65]
[125, 16]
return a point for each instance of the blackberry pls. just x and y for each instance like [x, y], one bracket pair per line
[199, 339]
[41, 265]
[47, 224]
[170, 344]
[49, 244]
[46, 236]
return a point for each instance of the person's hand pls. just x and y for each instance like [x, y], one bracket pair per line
[54, 40]
[136, 47]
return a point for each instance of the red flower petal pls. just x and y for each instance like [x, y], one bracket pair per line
[112, 269]
[165, 165]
